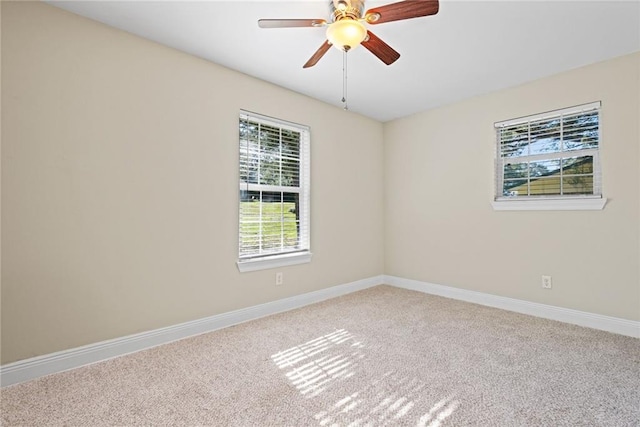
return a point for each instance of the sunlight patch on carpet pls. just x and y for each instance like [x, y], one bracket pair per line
[314, 365]
[321, 363]
[438, 413]
[390, 400]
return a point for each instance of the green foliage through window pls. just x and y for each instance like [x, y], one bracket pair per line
[552, 155]
[273, 201]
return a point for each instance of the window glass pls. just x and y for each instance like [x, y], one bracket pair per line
[554, 154]
[274, 187]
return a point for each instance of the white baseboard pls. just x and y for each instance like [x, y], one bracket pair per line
[28, 369]
[25, 370]
[596, 321]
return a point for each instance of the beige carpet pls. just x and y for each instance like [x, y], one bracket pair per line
[383, 356]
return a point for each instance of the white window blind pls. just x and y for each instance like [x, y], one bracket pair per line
[274, 188]
[550, 155]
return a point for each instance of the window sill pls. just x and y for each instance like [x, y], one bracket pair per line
[274, 261]
[577, 204]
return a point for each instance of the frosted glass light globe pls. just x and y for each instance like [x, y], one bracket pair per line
[346, 34]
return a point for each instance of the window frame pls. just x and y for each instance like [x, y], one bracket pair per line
[595, 201]
[288, 256]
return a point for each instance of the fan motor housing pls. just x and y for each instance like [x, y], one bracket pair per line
[346, 9]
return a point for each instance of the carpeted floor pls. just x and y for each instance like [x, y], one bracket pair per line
[382, 356]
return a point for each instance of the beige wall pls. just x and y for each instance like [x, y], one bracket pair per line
[119, 185]
[441, 228]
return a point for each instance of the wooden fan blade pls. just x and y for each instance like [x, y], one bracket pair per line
[319, 54]
[380, 49]
[402, 10]
[290, 23]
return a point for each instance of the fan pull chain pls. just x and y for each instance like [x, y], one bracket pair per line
[344, 80]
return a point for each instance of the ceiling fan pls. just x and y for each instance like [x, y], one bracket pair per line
[347, 28]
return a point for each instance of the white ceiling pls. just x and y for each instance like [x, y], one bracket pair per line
[468, 48]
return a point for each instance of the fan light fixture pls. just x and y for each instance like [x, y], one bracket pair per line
[346, 34]
[346, 30]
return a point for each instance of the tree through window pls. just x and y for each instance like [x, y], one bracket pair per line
[552, 154]
[274, 187]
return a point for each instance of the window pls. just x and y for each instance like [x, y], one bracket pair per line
[274, 193]
[550, 160]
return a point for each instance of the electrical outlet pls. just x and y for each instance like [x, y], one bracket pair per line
[546, 282]
[279, 278]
